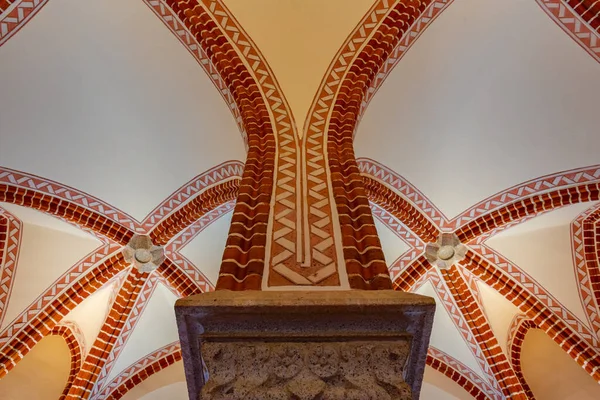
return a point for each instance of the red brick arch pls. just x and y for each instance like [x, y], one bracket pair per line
[10, 243]
[75, 340]
[104, 263]
[461, 374]
[519, 327]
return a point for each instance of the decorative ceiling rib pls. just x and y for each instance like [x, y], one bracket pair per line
[76, 342]
[199, 197]
[518, 329]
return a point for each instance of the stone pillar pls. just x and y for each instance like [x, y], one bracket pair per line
[309, 345]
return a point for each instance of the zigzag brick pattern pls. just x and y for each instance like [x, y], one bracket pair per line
[14, 14]
[180, 281]
[578, 24]
[588, 10]
[528, 206]
[11, 230]
[416, 245]
[424, 20]
[194, 209]
[412, 274]
[570, 15]
[141, 370]
[518, 329]
[187, 192]
[46, 319]
[530, 189]
[66, 197]
[4, 4]
[319, 189]
[111, 329]
[567, 338]
[533, 288]
[461, 374]
[243, 259]
[365, 263]
[70, 333]
[484, 336]
[65, 209]
[80, 269]
[460, 321]
[138, 308]
[174, 24]
[404, 188]
[401, 209]
[285, 229]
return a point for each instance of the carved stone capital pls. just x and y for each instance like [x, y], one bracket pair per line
[358, 345]
[306, 370]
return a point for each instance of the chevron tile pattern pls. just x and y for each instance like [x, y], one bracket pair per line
[467, 378]
[122, 337]
[14, 14]
[121, 312]
[573, 16]
[449, 302]
[10, 240]
[501, 370]
[138, 371]
[578, 343]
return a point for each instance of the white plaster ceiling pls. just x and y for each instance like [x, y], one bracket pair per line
[474, 108]
[545, 253]
[206, 250]
[499, 312]
[155, 328]
[45, 254]
[110, 103]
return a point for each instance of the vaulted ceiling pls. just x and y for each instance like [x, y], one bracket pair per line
[119, 118]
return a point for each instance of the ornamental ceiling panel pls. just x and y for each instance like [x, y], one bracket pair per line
[445, 335]
[89, 315]
[206, 249]
[110, 103]
[154, 328]
[44, 255]
[542, 248]
[473, 108]
[299, 39]
[499, 312]
[551, 373]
